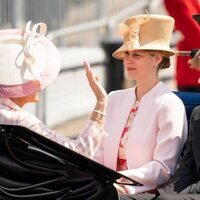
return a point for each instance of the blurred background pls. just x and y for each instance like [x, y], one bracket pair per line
[82, 30]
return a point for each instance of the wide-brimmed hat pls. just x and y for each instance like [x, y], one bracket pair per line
[146, 32]
[28, 61]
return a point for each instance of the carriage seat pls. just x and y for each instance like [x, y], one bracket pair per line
[190, 100]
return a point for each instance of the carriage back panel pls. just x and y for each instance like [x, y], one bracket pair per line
[33, 167]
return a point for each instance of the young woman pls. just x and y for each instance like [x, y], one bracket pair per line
[146, 124]
[29, 62]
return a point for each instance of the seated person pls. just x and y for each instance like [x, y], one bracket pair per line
[29, 62]
[146, 124]
[185, 183]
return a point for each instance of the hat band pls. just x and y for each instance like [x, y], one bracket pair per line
[22, 90]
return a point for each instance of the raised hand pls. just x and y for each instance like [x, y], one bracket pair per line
[93, 80]
[99, 112]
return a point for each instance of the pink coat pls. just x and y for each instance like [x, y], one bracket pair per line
[87, 143]
[155, 140]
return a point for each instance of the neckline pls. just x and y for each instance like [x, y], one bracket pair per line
[148, 92]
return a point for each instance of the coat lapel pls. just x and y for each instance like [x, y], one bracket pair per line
[115, 126]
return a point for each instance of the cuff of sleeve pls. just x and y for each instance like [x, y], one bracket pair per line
[92, 123]
[139, 189]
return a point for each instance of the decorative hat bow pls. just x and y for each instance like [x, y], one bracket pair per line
[31, 37]
[133, 31]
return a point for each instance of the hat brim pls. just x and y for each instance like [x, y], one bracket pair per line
[120, 53]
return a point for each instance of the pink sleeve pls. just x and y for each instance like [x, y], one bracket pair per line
[86, 144]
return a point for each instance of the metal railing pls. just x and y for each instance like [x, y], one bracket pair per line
[108, 23]
[104, 22]
[54, 13]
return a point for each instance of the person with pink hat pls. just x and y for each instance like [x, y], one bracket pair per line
[146, 124]
[29, 62]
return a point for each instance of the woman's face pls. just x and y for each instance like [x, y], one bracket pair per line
[141, 64]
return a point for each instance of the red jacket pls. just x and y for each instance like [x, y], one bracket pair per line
[182, 11]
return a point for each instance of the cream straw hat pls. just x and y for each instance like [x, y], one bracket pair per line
[146, 32]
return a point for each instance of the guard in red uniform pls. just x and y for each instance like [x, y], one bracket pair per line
[182, 11]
